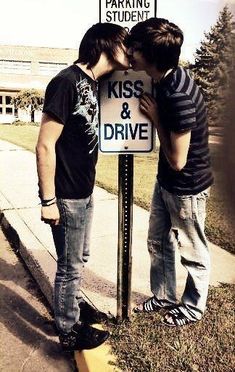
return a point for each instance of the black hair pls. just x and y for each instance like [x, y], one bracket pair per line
[159, 41]
[100, 38]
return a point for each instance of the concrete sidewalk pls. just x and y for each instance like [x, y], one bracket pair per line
[28, 341]
[20, 210]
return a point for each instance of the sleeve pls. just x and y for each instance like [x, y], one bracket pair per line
[59, 99]
[181, 113]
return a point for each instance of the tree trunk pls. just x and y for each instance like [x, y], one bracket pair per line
[32, 116]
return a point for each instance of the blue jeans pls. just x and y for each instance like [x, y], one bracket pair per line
[179, 220]
[71, 238]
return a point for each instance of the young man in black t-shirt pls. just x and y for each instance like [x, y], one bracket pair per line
[178, 207]
[66, 158]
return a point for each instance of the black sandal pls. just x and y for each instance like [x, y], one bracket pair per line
[149, 306]
[177, 318]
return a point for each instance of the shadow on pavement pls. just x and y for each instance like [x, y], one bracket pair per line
[21, 318]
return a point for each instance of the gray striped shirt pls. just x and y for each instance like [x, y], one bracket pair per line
[182, 108]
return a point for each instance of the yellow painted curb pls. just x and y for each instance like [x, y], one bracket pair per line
[96, 360]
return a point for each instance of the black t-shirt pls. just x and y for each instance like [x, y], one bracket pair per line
[71, 99]
[182, 108]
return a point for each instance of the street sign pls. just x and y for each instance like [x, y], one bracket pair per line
[123, 128]
[126, 12]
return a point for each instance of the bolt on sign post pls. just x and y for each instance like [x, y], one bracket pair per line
[125, 131]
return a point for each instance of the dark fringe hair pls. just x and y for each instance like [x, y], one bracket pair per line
[100, 38]
[159, 41]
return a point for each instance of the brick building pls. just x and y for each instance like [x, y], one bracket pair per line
[25, 67]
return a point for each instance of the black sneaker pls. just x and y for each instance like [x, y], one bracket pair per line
[82, 336]
[88, 314]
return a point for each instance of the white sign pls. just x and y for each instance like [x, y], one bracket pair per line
[123, 128]
[126, 12]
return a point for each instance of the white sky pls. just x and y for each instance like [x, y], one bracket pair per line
[62, 23]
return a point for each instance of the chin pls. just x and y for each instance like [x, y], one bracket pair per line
[136, 68]
[123, 67]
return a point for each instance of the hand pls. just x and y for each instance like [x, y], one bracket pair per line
[148, 106]
[50, 215]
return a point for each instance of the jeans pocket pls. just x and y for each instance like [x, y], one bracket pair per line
[184, 203]
[73, 212]
[201, 205]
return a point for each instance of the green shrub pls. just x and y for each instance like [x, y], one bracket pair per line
[20, 122]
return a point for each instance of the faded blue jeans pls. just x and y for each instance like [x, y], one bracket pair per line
[71, 238]
[179, 220]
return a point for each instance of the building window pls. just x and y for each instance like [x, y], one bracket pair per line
[8, 100]
[51, 68]
[9, 110]
[6, 108]
[15, 67]
[2, 103]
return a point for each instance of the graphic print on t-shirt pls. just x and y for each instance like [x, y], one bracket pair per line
[87, 107]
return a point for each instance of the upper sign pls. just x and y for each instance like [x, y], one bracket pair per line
[126, 12]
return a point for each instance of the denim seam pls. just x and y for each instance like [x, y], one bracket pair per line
[62, 302]
[89, 203]
[194, 212]
[164, 263]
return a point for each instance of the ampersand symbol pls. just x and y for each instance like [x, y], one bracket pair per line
[125, 114]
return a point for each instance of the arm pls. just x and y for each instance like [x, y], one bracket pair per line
[175, 145]
[49, 133]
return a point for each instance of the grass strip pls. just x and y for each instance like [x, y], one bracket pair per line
[206, 346]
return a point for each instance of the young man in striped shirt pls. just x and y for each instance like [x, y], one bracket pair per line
[184, 176]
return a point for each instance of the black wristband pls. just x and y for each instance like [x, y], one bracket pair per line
[48, 202]
[48, 205]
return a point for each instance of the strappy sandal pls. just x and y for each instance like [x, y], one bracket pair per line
[149, 306]
[176, 318]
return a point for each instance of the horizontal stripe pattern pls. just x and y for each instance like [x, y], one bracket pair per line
[182, 108]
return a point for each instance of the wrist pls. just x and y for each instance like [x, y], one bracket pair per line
[48, 202]
[155, 123]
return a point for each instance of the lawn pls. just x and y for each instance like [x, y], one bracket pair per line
[22, 135]
[217, 226]
[144, 345]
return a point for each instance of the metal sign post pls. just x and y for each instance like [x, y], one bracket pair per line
[124, 133]
[125, 223]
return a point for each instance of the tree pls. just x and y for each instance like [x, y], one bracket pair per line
[184, 64]
[214, 62]
[28, 99]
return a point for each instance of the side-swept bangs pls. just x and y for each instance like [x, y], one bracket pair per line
[101, 38]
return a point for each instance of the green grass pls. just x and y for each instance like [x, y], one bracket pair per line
[219, 223]
[21, 135]
[144, 176]
[218, 227]
[207, 346]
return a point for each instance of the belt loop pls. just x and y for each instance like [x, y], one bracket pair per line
[194, 206]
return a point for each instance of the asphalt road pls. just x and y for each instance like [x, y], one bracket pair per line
[28, 342]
